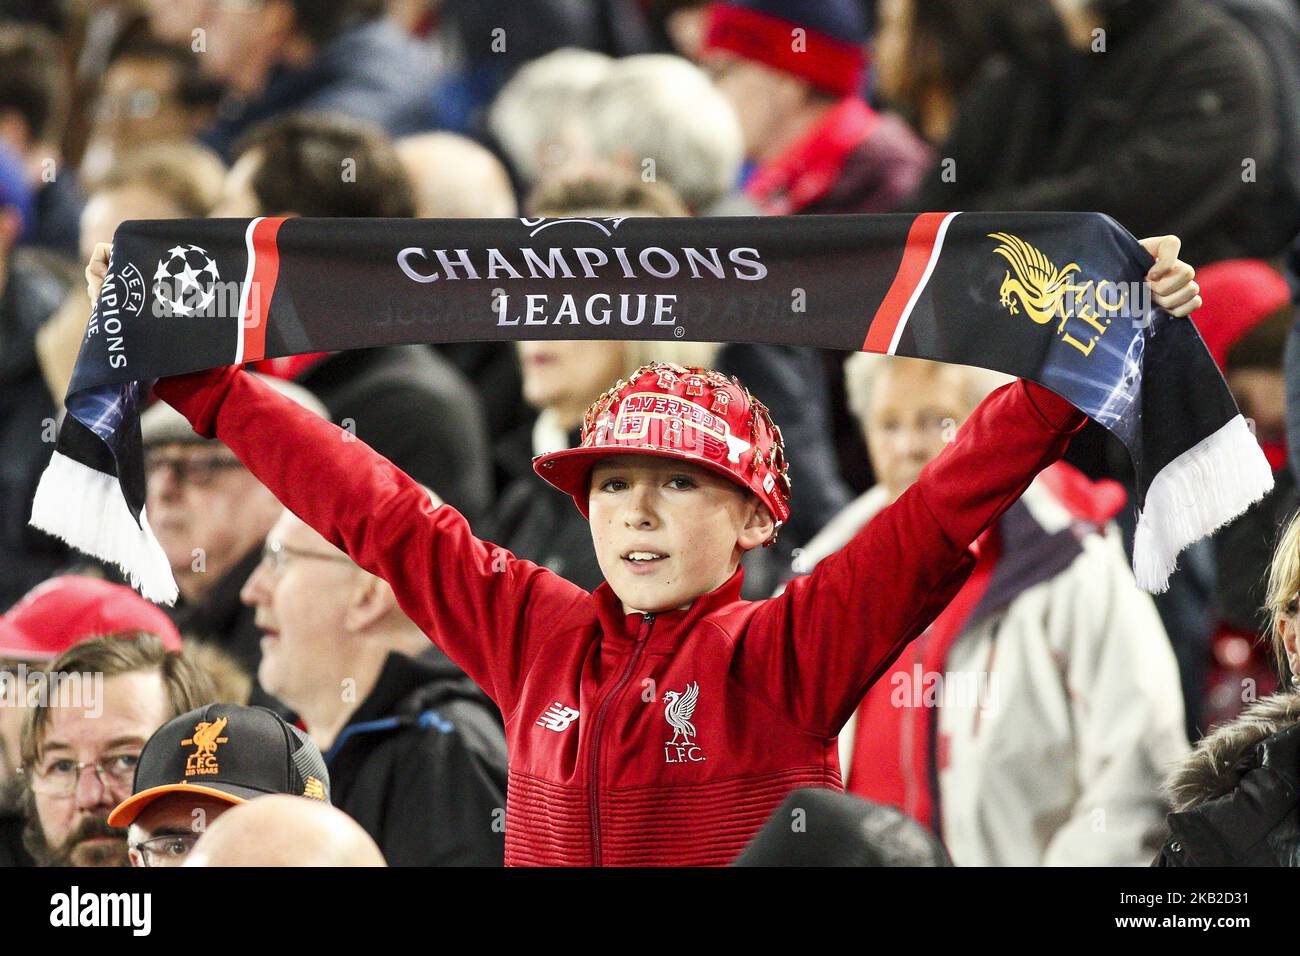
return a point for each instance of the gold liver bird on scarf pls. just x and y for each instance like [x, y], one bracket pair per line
[1038, 285]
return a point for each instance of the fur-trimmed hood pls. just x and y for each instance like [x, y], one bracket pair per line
[1225, 755]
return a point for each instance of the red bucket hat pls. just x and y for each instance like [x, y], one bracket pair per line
[66, 610]
[687, 413]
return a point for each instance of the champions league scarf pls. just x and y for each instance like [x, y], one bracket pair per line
[1053, 297]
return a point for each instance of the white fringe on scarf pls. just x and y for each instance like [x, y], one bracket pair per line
[1194, 495]
[85, 508]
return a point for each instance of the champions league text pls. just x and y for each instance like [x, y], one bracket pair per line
[600, 308]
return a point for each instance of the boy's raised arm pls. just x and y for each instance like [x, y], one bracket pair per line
[814, 650]
[473, 599]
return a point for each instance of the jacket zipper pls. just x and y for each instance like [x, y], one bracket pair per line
[647, 624]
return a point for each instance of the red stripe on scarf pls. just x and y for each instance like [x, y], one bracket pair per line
[916, 256]
[266, 270]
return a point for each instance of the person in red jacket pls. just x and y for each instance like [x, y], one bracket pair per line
[659, 719]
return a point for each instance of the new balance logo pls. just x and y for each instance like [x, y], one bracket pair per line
[557, 717]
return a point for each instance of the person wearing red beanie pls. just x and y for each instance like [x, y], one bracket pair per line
[795, 71]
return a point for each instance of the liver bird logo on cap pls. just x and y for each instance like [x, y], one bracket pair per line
[207, 735]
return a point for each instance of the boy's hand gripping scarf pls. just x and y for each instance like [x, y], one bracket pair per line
[1058, 298]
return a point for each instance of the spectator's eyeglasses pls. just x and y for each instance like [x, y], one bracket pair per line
[58, 776]
[196, 472]
[275, 556]
[140, 103]
[169, 850]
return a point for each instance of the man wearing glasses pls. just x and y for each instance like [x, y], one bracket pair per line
[82, 743]
[202, 763]
[415, 749]
[210, 516]
[48, 620]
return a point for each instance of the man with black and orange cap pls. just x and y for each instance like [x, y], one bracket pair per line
[200, 764]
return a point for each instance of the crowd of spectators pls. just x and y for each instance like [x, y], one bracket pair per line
[1172, 116]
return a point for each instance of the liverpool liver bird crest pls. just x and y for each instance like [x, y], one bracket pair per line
[1037, 286]
[208, 735]
[679, 706]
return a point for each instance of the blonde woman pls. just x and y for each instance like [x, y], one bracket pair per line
[1236, 796]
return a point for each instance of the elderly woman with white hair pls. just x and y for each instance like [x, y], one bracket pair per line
[655, 115]
[661, 117]
[536, 118]
[1030, 724]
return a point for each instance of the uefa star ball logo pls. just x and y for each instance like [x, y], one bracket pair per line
[185, 282]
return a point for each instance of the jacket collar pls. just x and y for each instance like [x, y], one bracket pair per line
[670, 628]
[1026, 553]
[406, 687]
[513, 452]
[808, 168]
[1229, 751]
[400, 676]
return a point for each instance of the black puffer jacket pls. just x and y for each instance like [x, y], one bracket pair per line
[1239, 791]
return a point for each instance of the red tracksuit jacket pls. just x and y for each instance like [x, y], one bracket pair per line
[645, 739]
